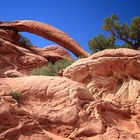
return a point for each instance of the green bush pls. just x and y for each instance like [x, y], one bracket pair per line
[100, 42]
[25, 41]
[52, 69]
[120, 35]
[16, 95]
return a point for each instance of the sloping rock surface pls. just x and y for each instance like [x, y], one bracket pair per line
[98, 99]
[112, 75]
[48, 32]
[50, 103]
[16, 56]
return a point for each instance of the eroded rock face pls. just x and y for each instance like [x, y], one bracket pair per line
[17, 58]
[25, 59]
[60, 96]
[9, 35]
[48, 32]
[50, 100]
[109, 75]
[102, 105]
[52, 53]
[59, 108]
[13, 73]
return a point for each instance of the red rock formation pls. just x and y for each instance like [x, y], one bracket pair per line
[24, 59]
[47, 31]
[97, 98]
[13, 73]
[60, 108]
[50, 103]
[9, 35]
[110, 74]
[15, 57]
[52, 53]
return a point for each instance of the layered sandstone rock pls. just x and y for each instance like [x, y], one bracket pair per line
[14, 56]
[48, 32]
[52, 53]
[61, 109]
[97, 98]
[9, 35]
[13, 73]
[50, 103]
[25, 58]
[112, 75]
[18, 58]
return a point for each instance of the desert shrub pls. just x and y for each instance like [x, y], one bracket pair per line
[16, 95]
[25, 41]
[52, 69]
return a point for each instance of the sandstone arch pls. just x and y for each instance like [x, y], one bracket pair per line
[48, 32]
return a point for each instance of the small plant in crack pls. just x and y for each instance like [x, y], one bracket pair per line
[16, 95]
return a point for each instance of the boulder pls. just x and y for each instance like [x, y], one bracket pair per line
[52, 103]
[52, 53]
[25, 60]
[112, 75]
[98, 101]
[13, 73]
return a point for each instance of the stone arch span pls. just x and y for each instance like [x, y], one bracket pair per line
[48, 32]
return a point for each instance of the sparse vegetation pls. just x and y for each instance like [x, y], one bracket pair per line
[25, 41]
[101, 42]
[52, 69]
[16, 95]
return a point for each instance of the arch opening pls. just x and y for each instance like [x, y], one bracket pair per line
[48, 32]
[37, 40]
[42, 42]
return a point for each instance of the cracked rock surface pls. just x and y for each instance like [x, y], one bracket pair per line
[97, 98]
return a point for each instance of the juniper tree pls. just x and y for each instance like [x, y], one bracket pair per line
[128, 33]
